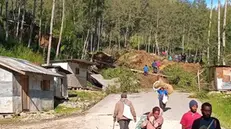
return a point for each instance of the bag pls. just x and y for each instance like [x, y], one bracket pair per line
[210, 124]
[127, 112]
[165, 99]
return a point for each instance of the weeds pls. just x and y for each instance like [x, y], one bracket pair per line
[128, 80]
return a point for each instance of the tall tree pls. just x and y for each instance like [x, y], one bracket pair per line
[61, 30]
[223, 33]
[209, 32]
[51, 29]
[219, 33]
[7, 26]
[22, 21]
[32, 24]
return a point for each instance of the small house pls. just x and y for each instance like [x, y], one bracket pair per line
[79, 71]
[60, 83]
[25, 86]
[220, 77]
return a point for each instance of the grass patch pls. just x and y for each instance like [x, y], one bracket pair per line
[181, 79]
[86, 95]
[221, 107]
[127, 79]
[22, 52]
[65, 110]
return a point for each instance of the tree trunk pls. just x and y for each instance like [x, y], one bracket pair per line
[61, 31]
[183, 38]
[98, 35]
[149, 41]
[40, 22]
[22, 22]
[7, 27]
[32, 25]
[18, 18]
[223, 33]
[91, 42]
[50, 37]
[85, 45]
[156, 34]
[127, 29]
[219, 33]
[110, 40]
[209, 33]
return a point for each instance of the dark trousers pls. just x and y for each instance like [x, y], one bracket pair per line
[124, 124]
[162, 105]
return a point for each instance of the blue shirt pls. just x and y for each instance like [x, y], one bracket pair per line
[162, 93]
[145, 68]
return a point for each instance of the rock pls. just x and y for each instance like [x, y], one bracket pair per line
[1, 117]
[23, 114]
[8, 116]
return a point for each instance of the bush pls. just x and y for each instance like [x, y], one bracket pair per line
[128, 80]
[22, 52]
[180, 78]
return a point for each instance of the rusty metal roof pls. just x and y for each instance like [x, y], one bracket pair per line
[23, 66]
[80, 61]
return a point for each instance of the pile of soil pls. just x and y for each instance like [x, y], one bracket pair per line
[135, 59]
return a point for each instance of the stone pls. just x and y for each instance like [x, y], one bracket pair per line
[8, 117]
[1, 117]
[23, 114]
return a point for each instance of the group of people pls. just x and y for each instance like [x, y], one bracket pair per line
[190, 120]
[155, 66]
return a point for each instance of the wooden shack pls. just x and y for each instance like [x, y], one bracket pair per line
[79, 71]
[25, 86]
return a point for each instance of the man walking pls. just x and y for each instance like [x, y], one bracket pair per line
[162, 93]
[189, 117]
[119, 112]
[206, 121]
[146, 70]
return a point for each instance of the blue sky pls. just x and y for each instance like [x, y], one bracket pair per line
[215, 2]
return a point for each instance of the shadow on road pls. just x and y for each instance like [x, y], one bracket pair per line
[167, 108]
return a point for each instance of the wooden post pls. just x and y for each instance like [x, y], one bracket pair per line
[198, 80]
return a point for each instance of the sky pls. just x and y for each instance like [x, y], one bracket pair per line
[215, 3]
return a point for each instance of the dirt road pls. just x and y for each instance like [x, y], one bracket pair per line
[100, 116]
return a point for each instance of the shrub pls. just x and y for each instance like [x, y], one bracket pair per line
[128, 80]
[180, 78]
[22, 52]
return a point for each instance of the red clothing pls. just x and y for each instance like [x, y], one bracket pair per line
[188, 119]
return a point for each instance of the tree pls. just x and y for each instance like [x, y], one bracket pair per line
[223, 33]
[51, 29]
[61, 30]
[32, 24]
[219, 33]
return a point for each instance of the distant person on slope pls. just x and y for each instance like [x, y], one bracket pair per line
[189, 117]
[146, 70]
[154, 67]
[206, 121]
[120, 111]
[163, 93]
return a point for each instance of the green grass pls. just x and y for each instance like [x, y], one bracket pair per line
[22, 52]
[86, 95]
[65, 110]
[127, 79]
[221, 108]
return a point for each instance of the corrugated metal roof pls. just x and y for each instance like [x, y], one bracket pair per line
[75, 61]
[24, 66]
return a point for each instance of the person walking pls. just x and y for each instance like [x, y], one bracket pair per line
[146, 70]
[162, 93]
[120, 111]
[189, 117]
[206, 121]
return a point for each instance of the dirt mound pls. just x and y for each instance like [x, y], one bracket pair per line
[138, 59]
[135, 59]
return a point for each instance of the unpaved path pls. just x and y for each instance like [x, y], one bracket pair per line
[100, 116]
